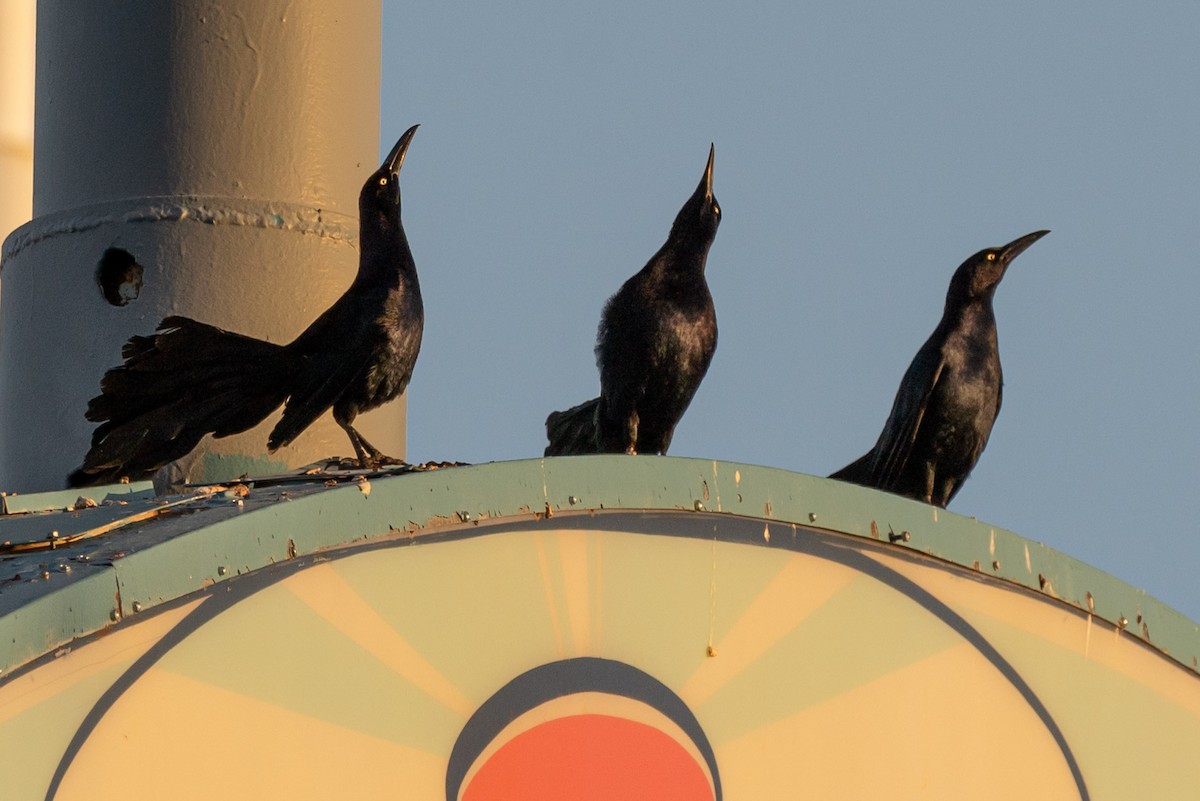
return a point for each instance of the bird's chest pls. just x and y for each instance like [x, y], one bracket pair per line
[393, 355]
[683, 342]
[965, 401]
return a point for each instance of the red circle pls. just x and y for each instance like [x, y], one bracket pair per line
[591, 757]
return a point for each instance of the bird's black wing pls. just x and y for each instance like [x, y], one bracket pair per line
[904, 423]
[327, 373]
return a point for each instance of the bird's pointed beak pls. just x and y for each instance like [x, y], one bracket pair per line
[1017, 246]
[707, 182]
[395, 159]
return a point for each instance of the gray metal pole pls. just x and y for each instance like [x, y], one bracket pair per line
[221, 144]
[16, 113]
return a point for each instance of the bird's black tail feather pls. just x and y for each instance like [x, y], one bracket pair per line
[857, 472]
[186, 380]
[573, 432]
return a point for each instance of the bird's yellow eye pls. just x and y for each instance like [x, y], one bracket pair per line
[991, 257]
[383, 182]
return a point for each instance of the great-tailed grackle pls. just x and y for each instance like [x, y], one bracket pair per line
[189, 379]
[656, 338]
[950, 396]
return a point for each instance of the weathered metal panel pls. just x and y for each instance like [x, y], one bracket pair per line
[521, 653]
[207, 538]
[757, 632]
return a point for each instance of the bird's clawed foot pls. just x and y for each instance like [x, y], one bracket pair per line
[369, 457]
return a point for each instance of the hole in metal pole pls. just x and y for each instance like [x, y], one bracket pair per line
[119, 276]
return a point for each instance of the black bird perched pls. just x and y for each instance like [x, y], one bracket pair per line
[656, 338]
[189, 379]
[950, 396]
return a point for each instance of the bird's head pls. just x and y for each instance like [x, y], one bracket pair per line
[382, 189]
[978, 276]
[701, 215]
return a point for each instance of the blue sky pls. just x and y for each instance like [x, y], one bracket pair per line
[862, 152]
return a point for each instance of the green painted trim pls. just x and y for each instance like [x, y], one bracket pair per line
[219, 537]
[42, 621]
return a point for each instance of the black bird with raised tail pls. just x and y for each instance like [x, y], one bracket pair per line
[656, 339]
[949, 398]
[189, 379]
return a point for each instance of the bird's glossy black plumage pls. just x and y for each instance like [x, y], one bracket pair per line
[949, 398]
[189, 379]
[656, 339]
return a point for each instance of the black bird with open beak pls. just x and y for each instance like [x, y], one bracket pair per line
[949, 398]
[656, 339]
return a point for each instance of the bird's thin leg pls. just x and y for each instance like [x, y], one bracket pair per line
[929, 482]
[945, 492]
[366, 454]
[376, 456]
[359, 454]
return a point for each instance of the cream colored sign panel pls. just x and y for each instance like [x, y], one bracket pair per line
[621, 656]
